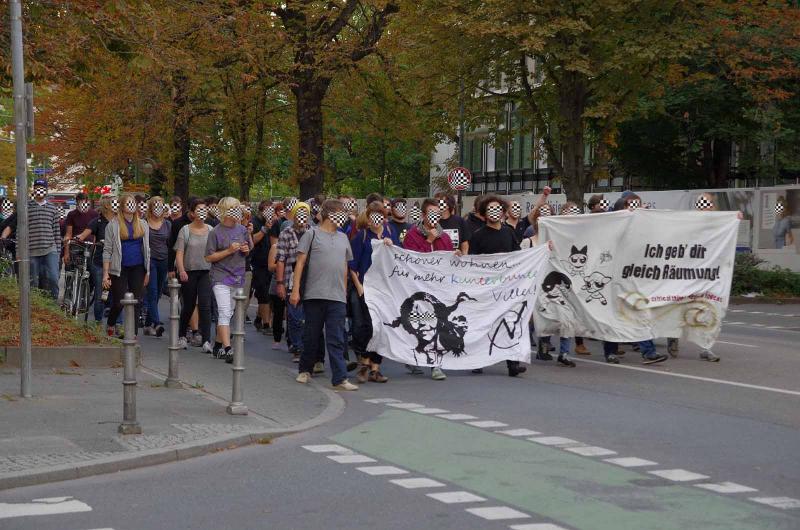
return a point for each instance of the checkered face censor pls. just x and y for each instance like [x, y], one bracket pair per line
[494, 212]
[175, 209]
[779, 208]
[635, 204]
[515, 210]
[292, 202]
[235, 213]
[213, 210]
[201, 212]
[351, 206]
[83, 206]
[301, 217]
[376, 219]
[115, 205]
[62, 213]
[415, 214]
[268, 214]
[458, 179]
[442, 204]
[544, 211]
[421, 316]
[400, 209]
[130, 206]
[702, 203]
[572, 210]
[8, 208]
[605, 205]
[158, 209]
[339, 218]
[39, 192]
[434, 216]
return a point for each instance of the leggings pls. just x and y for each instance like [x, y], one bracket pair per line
[278, 310]
[196, 292]
[130, 279]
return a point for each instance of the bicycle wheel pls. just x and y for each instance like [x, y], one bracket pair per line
[84, 296]
[69, 292]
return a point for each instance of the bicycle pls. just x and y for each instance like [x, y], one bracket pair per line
[78, 290]
[7, 258]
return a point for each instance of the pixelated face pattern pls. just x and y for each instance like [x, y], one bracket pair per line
[213, 210]
[515, 209]
[415, 214]
[351, 205]
[779, 208]
[269, 214]
[702, 203]
[292, 202]
[301, 217]
[235, 213]
[634, 204]
[39, 192]
[434, 216]
[421, 316]
[62, 213]
[142, 208]
[8, 208]
[130, 206]
[387, 205]
[442, 204]
[158, 209]
[115, 205]
[494, 212]
[376, 219]
[338, 218]
[544, 211]
[201, 212]
[605, 205]
[572, 210]
[175, 209]
[83, 206]
[400, 209]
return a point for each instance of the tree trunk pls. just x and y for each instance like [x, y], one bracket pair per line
[181, 142]
[311, 155]
[572, 103]
[722, 162]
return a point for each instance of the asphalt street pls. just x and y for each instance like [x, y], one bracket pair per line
[682, 445]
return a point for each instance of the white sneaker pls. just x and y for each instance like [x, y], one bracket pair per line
[437, 374]
[345, 385]
[183, 343]
[303, 377]
[708, 355]
[207, 347]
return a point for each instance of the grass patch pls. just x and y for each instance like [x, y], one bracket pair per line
[49, 325]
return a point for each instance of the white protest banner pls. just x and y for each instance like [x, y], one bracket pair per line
[458, 313]
[632, 276]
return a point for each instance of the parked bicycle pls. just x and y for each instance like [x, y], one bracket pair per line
[79, 292]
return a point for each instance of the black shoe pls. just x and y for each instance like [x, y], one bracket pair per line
[257, 324]
[612, 359]
[247, 320]
[566, 361]
[477, 371]
[654, 358]
[515, 371]
[219, 353]
[352, 365]
[229, 358]
[543, 356]
[551, 348]
[160, 330]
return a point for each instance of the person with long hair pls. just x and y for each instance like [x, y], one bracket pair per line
[126, 257]
[193, 273]
[159, 234]
[97, 230]
[227, 248]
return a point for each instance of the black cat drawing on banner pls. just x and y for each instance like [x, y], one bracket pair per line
[438, 332]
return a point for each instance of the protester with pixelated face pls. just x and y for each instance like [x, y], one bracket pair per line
[77, 221]
[456, 227]
[96, 231]
[398, 222]
[782, 229]
[160, 230]
[262, 222]
[45, 242]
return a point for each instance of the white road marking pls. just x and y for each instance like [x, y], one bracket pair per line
[678, 475]
[694, 377]
[736, 310]
[734, 323]
[378, 401]
[382, 470]
[756, 312]
[351, 459]
[497, 513]
[416, 483]
[737, 344]
[52, 499]
[406, 405]
[776, 327]
[554, 440]
[518, 432]
[784, 503]
[590, 451]
[726, 487]
[330, 448]
[759, 325]
[48, 507]
[455, 497]
[487, 424]
[537, 526]
[457, 417]
[630, 461]
[429, 411]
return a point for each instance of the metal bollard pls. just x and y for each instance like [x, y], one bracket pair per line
[236, 406]
[172, 380]
[129, 424]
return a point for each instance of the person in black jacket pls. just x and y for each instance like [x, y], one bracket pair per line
[493, 238]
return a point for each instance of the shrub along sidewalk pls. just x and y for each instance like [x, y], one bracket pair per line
[749, 277]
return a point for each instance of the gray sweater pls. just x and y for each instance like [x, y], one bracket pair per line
[112, 249]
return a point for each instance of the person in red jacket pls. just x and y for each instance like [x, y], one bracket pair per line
[428, 236]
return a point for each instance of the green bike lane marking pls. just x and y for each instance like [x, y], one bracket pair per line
[581, 492]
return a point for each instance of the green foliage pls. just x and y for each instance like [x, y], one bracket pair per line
[748, 278]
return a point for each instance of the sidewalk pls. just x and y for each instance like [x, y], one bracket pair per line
[69, 428]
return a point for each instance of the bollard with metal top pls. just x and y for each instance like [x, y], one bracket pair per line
[236, 406]
[172, 380]
[129, 424]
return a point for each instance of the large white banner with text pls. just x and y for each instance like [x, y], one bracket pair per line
[460, 313]
[631, 276]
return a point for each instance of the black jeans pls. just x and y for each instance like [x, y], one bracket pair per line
[278, 311]
[361, 327]
[130, 280]
[196, 292]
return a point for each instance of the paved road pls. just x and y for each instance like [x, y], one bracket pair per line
[682, 445]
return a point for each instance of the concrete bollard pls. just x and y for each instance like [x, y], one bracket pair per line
[129, 424]
[173, 381]
[236, 406]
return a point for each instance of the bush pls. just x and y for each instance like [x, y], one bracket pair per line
[748, 278]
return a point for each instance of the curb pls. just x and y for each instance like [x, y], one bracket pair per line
[177, 453]
[744, 300]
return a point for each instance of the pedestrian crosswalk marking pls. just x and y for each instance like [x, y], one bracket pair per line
[497, 513]
[784, 503]
[455, 497]
[351, 459]
[726, 487]
[430, 411]
[43, 507]
[382, 470]
[554, 440]
[589, 450]
[457, 417]
[487, 424]
[630, 461]
[417, 483]
[519, 432]
[329, 448]
[678, 475]
[405, 405]
[379, 401]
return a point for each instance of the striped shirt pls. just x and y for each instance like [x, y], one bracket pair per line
[43, 228]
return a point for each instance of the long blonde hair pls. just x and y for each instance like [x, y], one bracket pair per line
[138, 229]
[151, 215]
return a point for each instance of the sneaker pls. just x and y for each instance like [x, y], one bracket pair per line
[542, 352]
[149, 331]
[377, 377]
[183, 343]
[257, 324]
[220, 353]
[707, 355]
[276, 345]
[612, 359]
[566, 361]
[672, 347]
[580, 349]
[345, 385]
[477, 371]
[295, 357]
[247, 320]
[437, 374]
[207, 347]
[414, 370]
[160, 330]
[228, 356]
[303, 377]
[319, 368]
[362, 376]
[514, 371]
[654, 358]
[197, 340]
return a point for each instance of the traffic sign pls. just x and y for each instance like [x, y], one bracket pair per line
[42, 170]
[459, 178]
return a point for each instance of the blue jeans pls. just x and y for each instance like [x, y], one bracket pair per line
[97, 282]
[330, 315]
[44, 273]
[563, 345]
[158, 276]
[296, 321]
